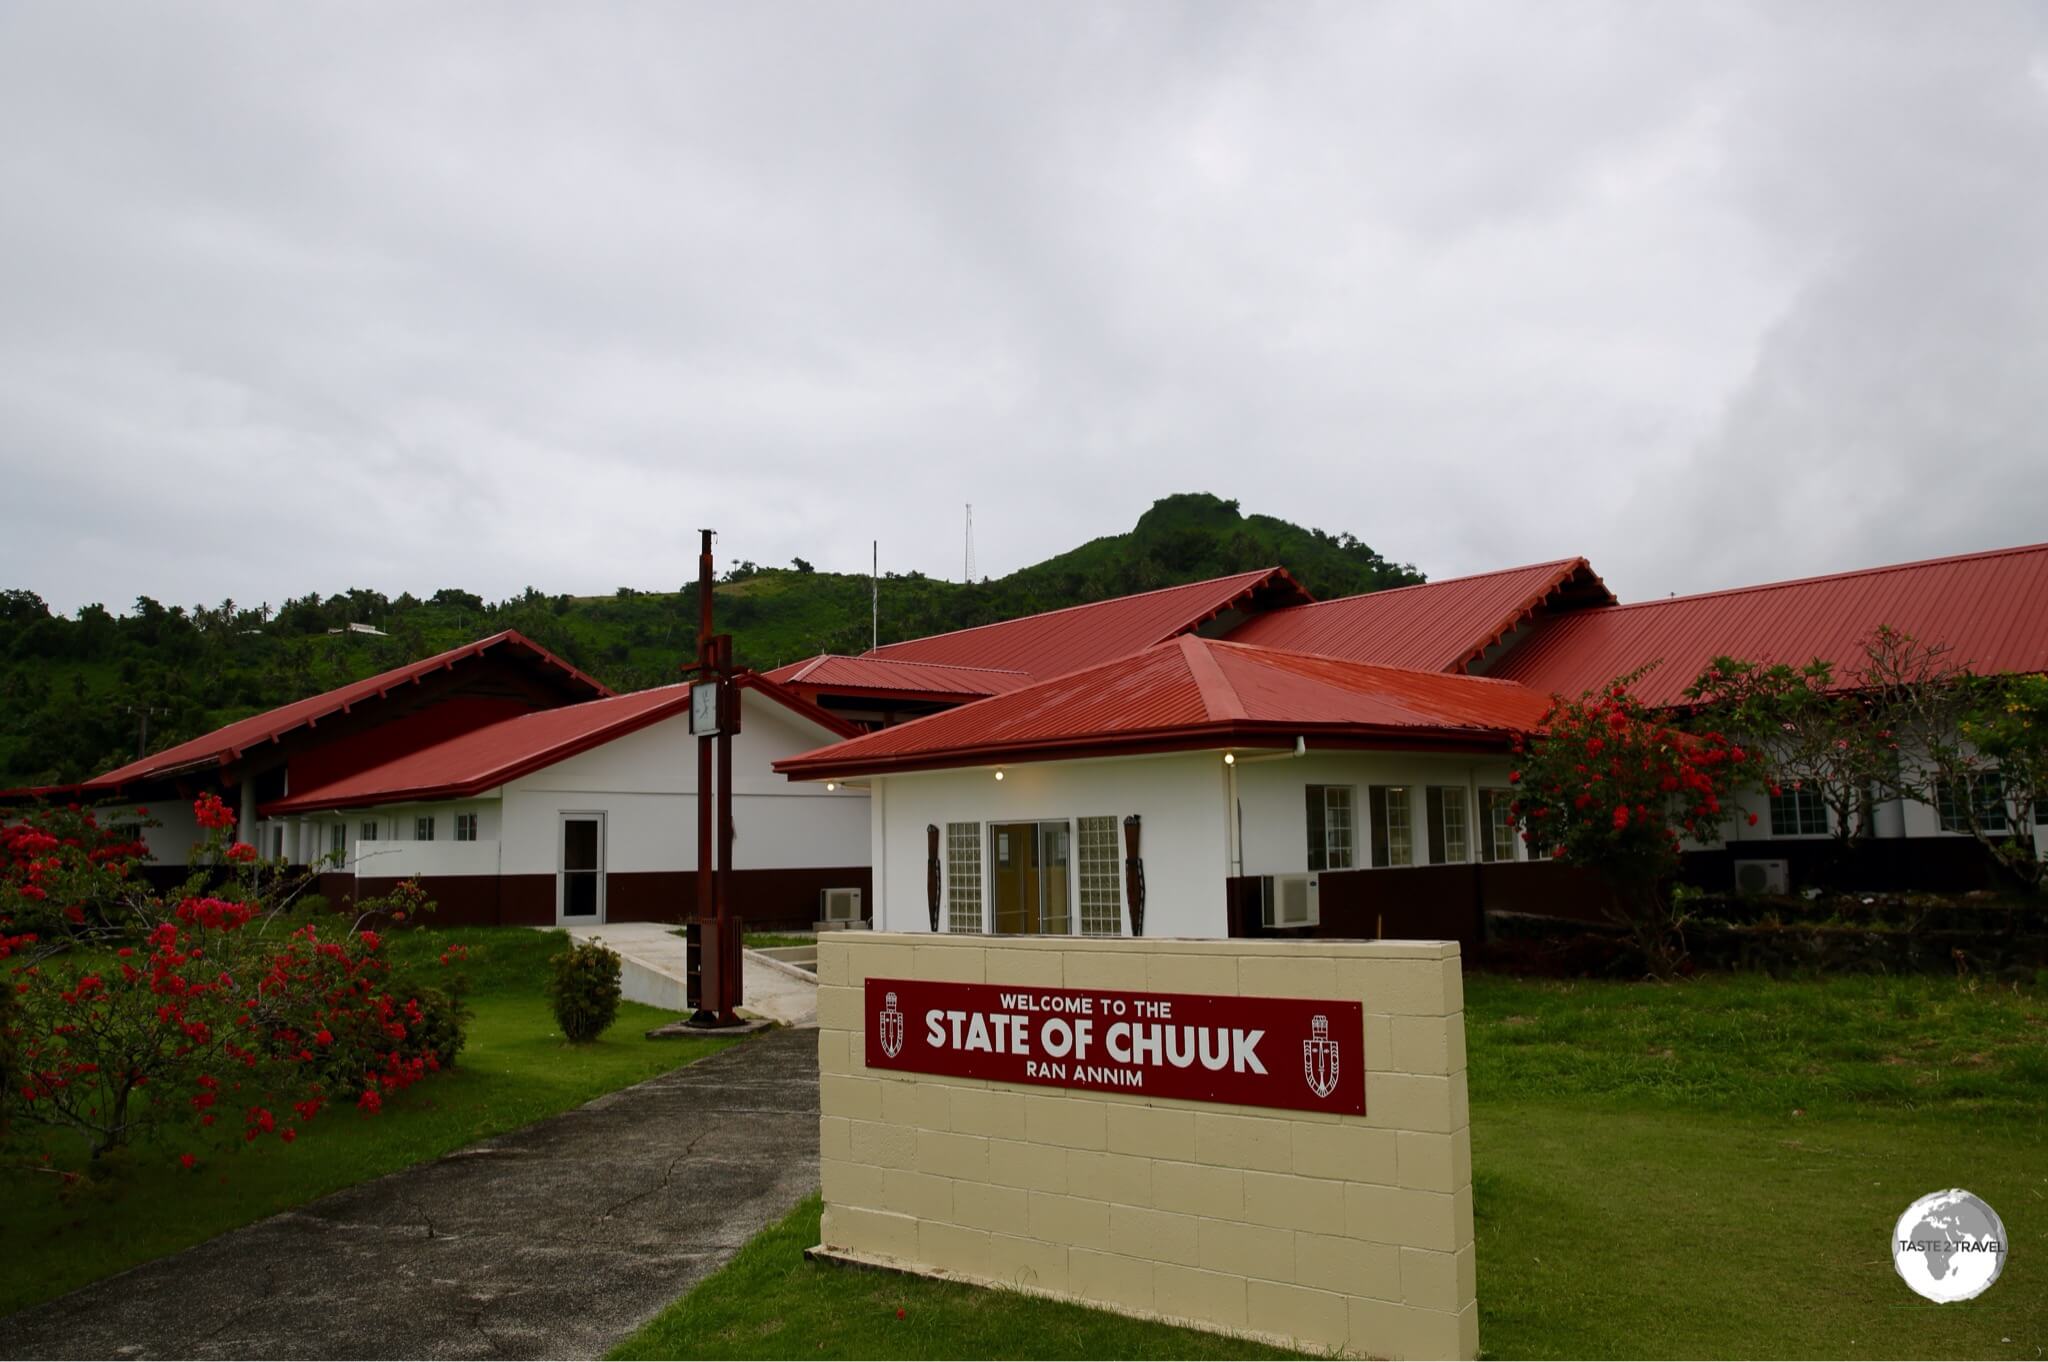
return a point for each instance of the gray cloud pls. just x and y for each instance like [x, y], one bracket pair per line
[311, 296]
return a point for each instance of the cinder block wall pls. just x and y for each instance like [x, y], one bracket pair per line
[1333, 1232]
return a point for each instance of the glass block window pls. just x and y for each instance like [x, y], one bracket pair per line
[1393, 826]
[1102, 909]
[963, 877]
[1497, 827]
[1449, 841]
[1332, 844]
[1798, 813]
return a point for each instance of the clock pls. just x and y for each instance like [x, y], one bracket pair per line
[704, 709]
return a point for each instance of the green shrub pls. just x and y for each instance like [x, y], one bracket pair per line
[583, 988]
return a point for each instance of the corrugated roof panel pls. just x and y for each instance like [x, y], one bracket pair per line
[1194, 692]
[1991, 609]
[1437, 626]
[226, 743]
[832, 671]
[1081, 635]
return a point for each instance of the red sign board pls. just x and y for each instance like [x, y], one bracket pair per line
[1307, 1054]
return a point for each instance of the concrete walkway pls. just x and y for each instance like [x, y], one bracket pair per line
[656, 972]
[553, 1241]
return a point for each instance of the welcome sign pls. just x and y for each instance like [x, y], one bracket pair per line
[1305, 1054]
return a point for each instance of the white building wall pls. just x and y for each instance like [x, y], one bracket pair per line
[1272, 794]
[1181, 798]
[645, 784]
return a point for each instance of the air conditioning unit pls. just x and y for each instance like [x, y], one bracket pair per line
[838, 906]
[1763, 877]
[1291, 900]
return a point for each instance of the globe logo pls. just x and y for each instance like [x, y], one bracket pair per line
[1949, 1246]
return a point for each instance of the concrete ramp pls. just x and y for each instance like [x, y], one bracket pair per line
[654, 969]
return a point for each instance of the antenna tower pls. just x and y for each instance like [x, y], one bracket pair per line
[970, 543]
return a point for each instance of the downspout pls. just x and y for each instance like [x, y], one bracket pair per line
[1235, 811]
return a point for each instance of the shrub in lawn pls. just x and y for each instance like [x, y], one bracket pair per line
[212, 1009]
[1606, 784]
[584, 989]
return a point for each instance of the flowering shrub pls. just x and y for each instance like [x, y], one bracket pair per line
[209, 1008]
[1606, 784]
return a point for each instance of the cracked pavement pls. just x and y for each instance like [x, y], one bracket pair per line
[557, 1240]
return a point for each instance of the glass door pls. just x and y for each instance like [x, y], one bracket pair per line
[579, 884]
[1029, 882]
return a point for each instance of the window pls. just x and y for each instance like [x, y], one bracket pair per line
[1448, 841]
[1102, 909]
[277, 842]
[1798, 812]
[963, 877]
[337, 841]
[1393, 829]
[579, 885]
[423, 828]
[1331, 844]
[465, 827]
[368, 831]
[1496, 826]
[1986, 789]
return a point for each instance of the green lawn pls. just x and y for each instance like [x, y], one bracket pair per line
[515, 1069]
[769, 1302]
[1709, 1169]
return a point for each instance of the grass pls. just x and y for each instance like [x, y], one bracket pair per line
[514, 1070]
[763, 941]
[769, 1302]
[1709, 1169]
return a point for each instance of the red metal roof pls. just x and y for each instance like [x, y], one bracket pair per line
[485, 758]
[1060, 641]
[227, 743]
[1437, 626]
[1990, 608]
[1193, 692]
[835, 674]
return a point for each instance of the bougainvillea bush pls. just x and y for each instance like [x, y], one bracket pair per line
[1606, 784]
[211, 1013]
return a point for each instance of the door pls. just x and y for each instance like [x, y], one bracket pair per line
[579, 883]
[1029, 884]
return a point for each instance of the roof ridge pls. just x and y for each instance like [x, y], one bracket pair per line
[1267, 650]
[1881, 569]
[1219, 697]
[1579, 561]
[919, 662]
[880, 653]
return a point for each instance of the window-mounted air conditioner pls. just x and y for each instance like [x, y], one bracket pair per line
[1763, 877]
[839, 905]
[1291, 900]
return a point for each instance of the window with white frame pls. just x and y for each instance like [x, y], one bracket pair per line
[1449, 841]
[423, 828]
[1496, 825]
[1797, 811]
[1393, 825]
[1102, 911]
[368, 831]
[337, 841]
[465, 827]
[1986, 789]
[1332, 843]
[963, 877]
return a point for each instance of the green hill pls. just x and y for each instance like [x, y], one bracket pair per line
[73, 691]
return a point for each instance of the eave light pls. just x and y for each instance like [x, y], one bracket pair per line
[1230, 758]
[830, 786]
[999, 773]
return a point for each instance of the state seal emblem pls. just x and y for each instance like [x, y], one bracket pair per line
[891, 1027]
[1319, 1058]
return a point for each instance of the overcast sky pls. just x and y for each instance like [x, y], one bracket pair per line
[298, 297]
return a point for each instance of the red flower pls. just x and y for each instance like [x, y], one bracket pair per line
[1620, 816]
[242, 853]
[1752, 820]
[187, 1160]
